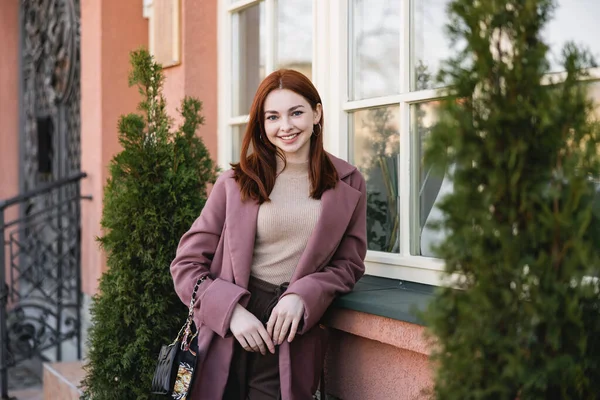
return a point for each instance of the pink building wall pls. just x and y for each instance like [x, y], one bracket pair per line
[376, 358]
[9, 103]
[197, 74]
[9, 98]
[110, 29]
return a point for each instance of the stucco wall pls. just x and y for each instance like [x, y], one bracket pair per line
[9, 98]
[376, 358]
[110, 29]
[197, 74]
[9, 104]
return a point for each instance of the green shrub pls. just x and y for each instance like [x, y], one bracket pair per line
[523, 221]
[157, 187]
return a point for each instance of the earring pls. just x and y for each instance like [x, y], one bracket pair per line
[319, 130]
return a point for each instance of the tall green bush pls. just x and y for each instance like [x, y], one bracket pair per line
[156, 188]
[523, 221]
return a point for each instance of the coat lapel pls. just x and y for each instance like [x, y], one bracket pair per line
[337, 208]
[241, 233]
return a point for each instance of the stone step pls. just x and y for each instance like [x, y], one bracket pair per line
[26, 394]
[63, 380]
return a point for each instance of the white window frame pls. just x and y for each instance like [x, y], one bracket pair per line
[330, 72]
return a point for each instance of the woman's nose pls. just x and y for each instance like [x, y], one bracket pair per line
[286, 124]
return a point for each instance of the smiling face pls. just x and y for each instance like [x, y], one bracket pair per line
[289, 121]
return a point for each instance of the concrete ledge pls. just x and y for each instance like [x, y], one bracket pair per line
[63, 380]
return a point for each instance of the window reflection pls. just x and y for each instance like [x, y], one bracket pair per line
[375, 152]
[430, 44]
[375, 48]
[248, 56]
[594, 93]
[295, 36]
[432, 185]
[238, 136]
[573, 21]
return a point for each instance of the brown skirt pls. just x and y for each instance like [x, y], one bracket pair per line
[253, 376]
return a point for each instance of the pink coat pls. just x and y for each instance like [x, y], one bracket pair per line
[221, 243]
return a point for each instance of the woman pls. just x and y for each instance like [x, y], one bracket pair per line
[280, 236]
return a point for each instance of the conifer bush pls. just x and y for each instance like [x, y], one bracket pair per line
[521, 148]
[156, 188]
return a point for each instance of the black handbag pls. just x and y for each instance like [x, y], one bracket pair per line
[174, 372]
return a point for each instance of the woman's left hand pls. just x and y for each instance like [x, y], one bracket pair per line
[286, 316]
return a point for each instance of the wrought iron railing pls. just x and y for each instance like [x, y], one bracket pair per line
[40, 275]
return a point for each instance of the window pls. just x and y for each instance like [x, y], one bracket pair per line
[374, 58]
[594, 92]
[374, 63]
[375, 142]
[264, 35]
[374, 128]
[390, 108]
[574, 21]
[249, 66]
[429, 44]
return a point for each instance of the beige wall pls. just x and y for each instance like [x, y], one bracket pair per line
[110, 29]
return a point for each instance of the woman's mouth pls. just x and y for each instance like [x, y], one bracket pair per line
[289, 138]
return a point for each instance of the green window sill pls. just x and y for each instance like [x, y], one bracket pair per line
[391, 298]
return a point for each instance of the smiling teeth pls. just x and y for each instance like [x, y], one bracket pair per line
[289, 137]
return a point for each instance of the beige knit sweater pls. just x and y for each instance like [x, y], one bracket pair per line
[284, 225]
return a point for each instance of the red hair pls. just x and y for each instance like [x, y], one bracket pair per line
[256, 172]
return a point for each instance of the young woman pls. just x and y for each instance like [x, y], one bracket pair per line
[281, 235]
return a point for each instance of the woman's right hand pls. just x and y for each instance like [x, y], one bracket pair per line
[250, 332]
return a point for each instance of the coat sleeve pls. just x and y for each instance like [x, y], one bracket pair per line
[346, 267]
[216, 298]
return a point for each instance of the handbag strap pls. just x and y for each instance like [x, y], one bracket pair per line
[193, 299]
[186, 329]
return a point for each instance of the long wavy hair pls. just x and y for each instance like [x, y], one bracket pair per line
[257, 169]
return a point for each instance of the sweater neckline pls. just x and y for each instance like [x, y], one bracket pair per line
[292, 168]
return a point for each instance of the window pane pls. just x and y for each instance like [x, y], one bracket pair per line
[238, 136]
[248, 56]
[432, 187]
[429, 41]
[295, 35]
[573, 21]
[374, 48]
[376, 145]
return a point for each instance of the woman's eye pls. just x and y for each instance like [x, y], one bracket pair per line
[272, 117]
[297, 113]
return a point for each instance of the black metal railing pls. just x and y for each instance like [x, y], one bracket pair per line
[40, 275]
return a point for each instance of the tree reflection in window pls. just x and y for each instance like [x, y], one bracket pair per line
[376, 149]
[431, 181]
